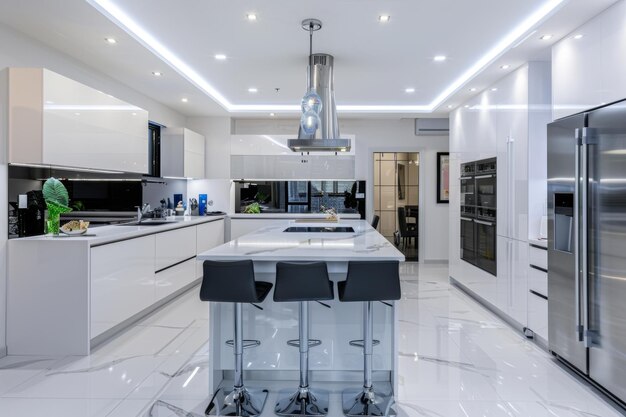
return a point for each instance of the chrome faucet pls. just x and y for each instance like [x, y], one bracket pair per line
[141, 211]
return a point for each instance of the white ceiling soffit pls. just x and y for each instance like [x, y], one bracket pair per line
[375, 63]
[124, 20]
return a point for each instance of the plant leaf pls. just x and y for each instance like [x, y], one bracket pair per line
[54, 191]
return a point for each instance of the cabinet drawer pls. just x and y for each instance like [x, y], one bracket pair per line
[538, 315]
[175, 246]
[175, 278]
[538, 257]
[122, 281]
[538, 281]
[209, 235]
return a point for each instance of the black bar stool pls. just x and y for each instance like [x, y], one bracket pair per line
[368, 282]
[233, 282]
[303, 282]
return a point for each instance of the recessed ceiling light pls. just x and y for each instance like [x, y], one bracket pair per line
[184, 99]
[494, 89]
[110, 40]
[505, 66]
[384, 18]
[157, 73]
[272, 114]
[466, 106]
[409, 90]
[77, 114]
[450, 106]
[251, 17]
[546, 37]
[579, 36]
[220, 57]
[440, 58]
[472, 89]
[252, 90]
[134, 114]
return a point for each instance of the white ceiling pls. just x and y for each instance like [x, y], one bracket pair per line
[374, 62]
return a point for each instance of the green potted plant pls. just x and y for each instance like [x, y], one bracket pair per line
[57, 200]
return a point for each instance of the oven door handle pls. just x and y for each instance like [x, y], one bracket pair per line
[466, 178]
[482, 177]
[466, 219]
[484, 222]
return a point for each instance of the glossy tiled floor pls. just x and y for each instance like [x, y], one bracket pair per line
[456, 359]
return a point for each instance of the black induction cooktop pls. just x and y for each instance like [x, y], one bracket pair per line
[319, 229]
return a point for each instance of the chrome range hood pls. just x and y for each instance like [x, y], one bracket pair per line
[326, 138]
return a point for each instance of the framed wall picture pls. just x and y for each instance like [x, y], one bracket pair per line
[443, 177]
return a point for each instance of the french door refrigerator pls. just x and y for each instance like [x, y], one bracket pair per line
[587, 244]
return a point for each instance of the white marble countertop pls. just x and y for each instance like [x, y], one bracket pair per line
[347, 216]
[114, 233]
[543, 243]
[273, 244]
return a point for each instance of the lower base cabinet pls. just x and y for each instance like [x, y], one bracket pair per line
[129, 276]
[122, 281]
[538, 315]
[172, 279]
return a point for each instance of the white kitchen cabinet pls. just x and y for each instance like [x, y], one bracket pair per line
[538, 291]
[122, 281]
[182, 153]
[512, 152]
[589, 71]
[172, 279]
[512, 280]
[54, 120]
[174, 246]
[208, 236]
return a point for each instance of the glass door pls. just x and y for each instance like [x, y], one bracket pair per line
[396, 184]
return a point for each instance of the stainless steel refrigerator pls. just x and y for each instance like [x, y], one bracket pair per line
[587, 244]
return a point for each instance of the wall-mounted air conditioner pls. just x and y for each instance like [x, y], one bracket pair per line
[432, 127]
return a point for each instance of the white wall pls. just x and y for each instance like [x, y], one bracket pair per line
[591, 71]
[392, 136]
[17, 50]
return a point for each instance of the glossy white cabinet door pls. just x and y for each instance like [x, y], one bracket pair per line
[122, 281]
[182, 153]
[174, 278]
[174, 246]
[538, 281]
[538, 315]
[512, 148]
[193, 154]
[208, 236]
[58, 121]
[513, 278]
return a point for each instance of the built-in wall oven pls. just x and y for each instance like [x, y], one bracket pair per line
[478, 214]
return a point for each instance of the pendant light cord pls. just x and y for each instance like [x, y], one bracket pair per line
[310, 86]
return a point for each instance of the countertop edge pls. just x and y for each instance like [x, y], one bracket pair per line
[94, 241]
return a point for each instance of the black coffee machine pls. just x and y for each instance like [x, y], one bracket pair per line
[34, 215]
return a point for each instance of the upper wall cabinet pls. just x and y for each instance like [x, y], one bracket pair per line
[54, 120]
[182, 153]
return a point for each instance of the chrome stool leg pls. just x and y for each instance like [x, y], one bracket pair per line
[304, 401]
[240, 401]
[366, 401]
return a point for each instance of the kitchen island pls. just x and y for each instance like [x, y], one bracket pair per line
[335, 360]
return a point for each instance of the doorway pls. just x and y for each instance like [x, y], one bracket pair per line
[396, 199]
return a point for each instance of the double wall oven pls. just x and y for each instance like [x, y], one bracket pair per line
[478, 214]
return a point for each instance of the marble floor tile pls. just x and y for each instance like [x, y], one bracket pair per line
[456, 359]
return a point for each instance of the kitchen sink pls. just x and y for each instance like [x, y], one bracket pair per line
[148, 222]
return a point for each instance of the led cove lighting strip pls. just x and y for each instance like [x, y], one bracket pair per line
[134, 29]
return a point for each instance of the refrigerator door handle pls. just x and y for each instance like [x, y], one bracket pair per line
[577, 236]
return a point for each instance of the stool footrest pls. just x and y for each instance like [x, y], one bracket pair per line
[312, 342]
[361, 343]
[247, 343]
